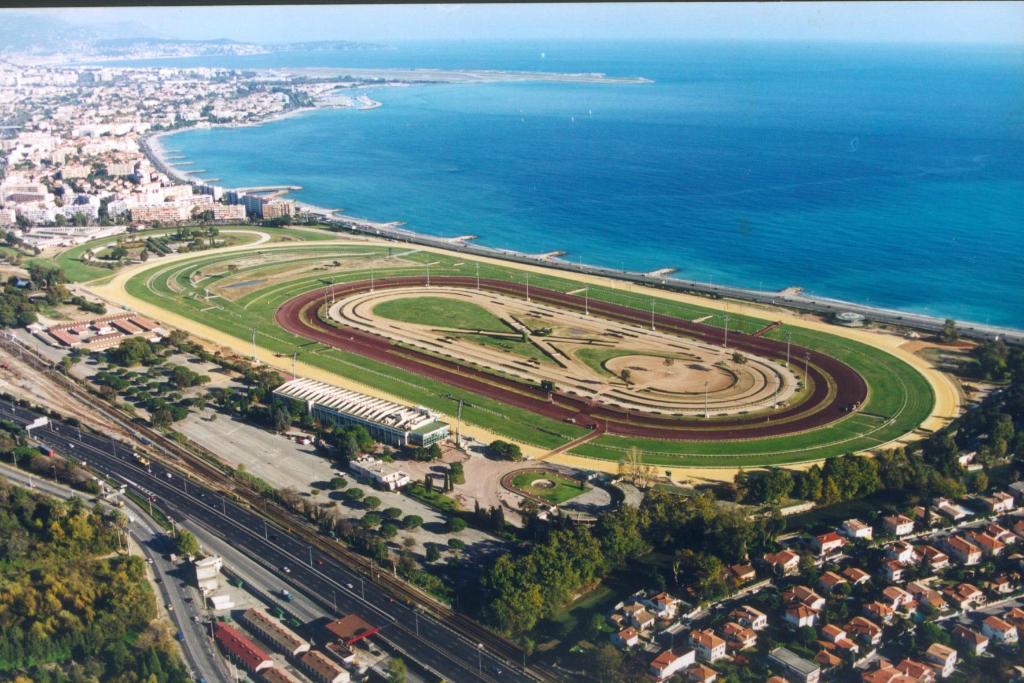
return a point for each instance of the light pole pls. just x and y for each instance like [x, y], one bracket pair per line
[428, 275]
[478, 276]
[480, 657]
[294, 354]
[706, 415]
[807, 360]
[652, 315]
[725, 343]
[371, 280]
[254, 345]
[586, 300]
[789, 339]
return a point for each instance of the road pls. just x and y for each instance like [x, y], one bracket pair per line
[196, 645]
[412, 633]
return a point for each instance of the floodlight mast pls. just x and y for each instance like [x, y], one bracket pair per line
[652, 315]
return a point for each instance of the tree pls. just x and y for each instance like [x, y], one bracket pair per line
[371, 502]
[412, 521]
[949, 332]
[337, 483]
[354, 494]
[634, 469]
[456, 524]
[396, 670]
[505, 450]
[433, 552]
[607, 664]
[187, 544]
[625, 375]
[389, 531]
[738, 358]
[393, 513]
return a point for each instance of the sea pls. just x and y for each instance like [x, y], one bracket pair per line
[887, 175]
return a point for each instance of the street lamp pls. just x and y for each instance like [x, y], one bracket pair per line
[480, 657]
[789, 338]
[706, 415]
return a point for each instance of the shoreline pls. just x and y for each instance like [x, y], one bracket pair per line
[790, 297]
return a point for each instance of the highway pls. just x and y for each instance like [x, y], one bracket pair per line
[413, 634]
[196, 645]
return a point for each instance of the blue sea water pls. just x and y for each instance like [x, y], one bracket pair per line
[891, 176]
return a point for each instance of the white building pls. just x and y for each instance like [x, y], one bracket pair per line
[379, 472]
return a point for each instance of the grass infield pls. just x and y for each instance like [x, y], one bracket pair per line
[551, 486]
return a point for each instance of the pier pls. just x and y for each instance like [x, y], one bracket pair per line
[547, 256]
[662, 272]
[463, 238]
[177, 164]
[270, 188]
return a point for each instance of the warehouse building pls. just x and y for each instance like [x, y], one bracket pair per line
[240, 649]
[386, 421]
[274, 632]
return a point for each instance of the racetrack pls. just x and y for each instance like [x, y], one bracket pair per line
[834, 386]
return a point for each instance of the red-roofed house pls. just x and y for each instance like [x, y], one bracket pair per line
[671, 661]
[856, 576]
[751, 618]
[701, 673]
[829, 581]
[627, 637]
[801, 615]
[783, 563]
[990, 547]
[963, 550]
[865, 629]
[837, 637]
[738, 637]
[963, 596]
[975, 642]
[943, 656]
[709, 646]
[932, 558]
[804, 596]
[880, 611]
[898, 525]
[893, 570]
[918, 671]
[999, 630]
[827, 543]
[854, 528]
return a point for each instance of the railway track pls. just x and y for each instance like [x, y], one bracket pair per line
[196, 463]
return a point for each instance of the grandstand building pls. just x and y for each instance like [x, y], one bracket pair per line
[386, 421]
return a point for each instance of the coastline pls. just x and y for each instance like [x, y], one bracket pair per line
[792, 297]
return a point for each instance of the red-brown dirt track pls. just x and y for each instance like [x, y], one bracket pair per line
[835, 385]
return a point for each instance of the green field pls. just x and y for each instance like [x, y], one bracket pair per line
[562, 488]
[440, 311]
[899, 397]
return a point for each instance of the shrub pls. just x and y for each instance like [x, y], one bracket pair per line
[456, 524]
[389, 531]
[372, 502]
[412, 521]
[392, 513]
[354, 494]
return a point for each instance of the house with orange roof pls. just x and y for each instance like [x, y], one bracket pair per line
[1018, 528]
[662, 605]
[738, 637]
[968, 638]
[999, 630]
[742, 573]
[827, 660]
[783, 563]
[750, 617]
[931, 557]
[701, 673]
[827, 543]
[804, 596]
[1015, 616]
[963, 551]
[990, 547]
[856, 576]
[901, 551]
[856, 529]
[879, 610]
[943, 656]
[999, 503]
[829, 581]
[709, 647]
[963, 596]
[837, 636]
[800, 615]
[670, 661]
[1000, 533]
[896, 597]
[1001, 584]
[898, 525]
[893, 570]
[627, 637]
[918, 671]
[866, 630]
[926, 596]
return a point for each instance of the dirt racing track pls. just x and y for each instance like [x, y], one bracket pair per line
[832, 386]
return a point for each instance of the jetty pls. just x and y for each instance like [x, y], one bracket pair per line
[547, 256]
[270, 188]
[182, 163]
[662, 272]
[463, 238]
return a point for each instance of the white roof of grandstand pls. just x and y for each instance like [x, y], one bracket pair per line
[353, 403]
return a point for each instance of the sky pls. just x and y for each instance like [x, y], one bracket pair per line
[938, 22]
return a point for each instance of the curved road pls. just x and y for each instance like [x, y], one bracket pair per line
[835, 385]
